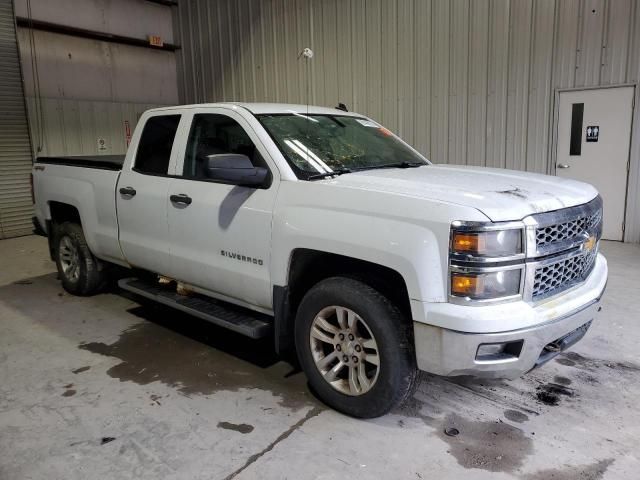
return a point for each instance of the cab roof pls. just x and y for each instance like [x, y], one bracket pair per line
[266, 108]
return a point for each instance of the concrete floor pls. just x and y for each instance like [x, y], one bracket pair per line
[103, 387]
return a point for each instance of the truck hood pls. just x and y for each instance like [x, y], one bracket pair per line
[501, 195]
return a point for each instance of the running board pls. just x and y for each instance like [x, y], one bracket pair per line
[241, 320]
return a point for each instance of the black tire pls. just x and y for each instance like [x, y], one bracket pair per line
[397, 371]
[91, 276]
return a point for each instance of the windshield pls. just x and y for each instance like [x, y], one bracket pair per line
[317, 144]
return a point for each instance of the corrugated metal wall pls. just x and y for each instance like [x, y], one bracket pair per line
[15, 149]
[74, 127]
[465, 81]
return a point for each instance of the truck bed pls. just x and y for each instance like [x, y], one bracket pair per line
[87, 184]
[103, 162]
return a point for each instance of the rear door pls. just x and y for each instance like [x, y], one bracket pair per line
[141, 196]
[221, 234]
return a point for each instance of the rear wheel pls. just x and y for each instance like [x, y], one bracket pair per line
[80, 272]
[355, 347]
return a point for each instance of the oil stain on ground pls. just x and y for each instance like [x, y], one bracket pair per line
[550, 393]
[196, 357]
[592, 471]
[574, 359]
[487, 445]
[236, 427]
[515, 416]
[562, 380]
[492, 446]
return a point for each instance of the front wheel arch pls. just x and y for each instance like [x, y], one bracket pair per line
[307, 267]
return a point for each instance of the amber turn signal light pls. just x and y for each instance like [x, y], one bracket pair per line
[465, 285]
[467, 242]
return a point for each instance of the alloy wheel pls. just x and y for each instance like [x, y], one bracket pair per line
[344, 350]
[69, 259]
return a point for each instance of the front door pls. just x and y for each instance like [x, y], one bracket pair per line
[594, 135]
[221, 234]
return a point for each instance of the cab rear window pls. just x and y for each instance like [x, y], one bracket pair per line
[156, 142]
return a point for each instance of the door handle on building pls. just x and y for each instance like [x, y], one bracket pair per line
[563, 165]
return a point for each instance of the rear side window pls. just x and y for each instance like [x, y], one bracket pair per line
[154, 149]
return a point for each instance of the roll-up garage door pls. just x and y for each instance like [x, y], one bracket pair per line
[15, 148]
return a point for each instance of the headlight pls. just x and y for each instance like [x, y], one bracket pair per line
[486, 285]
[489, 243]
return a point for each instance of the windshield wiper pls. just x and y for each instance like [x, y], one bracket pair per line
[403, 164]
[337, 171]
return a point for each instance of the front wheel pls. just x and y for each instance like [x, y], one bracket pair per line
[355, 347]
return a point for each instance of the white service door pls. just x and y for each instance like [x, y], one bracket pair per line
[594, 134]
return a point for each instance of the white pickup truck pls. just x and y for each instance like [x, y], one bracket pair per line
[323, 229]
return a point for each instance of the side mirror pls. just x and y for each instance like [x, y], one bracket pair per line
[235, 169]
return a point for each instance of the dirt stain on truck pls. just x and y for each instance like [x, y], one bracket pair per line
[196, 357]
[515, 192]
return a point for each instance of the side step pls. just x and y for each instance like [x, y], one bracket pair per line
[240, 320]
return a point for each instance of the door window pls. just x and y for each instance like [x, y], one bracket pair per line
[575, 142]
[214, 134]
[154, 148]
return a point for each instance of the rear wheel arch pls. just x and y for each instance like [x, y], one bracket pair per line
[59, 213]
[80, 272]
[64, 212]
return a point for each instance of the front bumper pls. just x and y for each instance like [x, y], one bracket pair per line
[451, 352]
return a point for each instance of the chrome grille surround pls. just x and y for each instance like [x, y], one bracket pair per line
[561, 230]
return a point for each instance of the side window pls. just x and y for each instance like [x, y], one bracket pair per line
[213, 134]
[154, 149]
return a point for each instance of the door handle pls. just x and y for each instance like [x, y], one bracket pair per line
[128, 191]
[563, 165]
[182, 199]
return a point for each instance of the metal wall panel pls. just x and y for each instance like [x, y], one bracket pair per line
[142, 18]
[15, 149]
[73, 67]
[497, 79]
[73, 127]
[465, 81]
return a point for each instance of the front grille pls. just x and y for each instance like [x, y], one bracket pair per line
[566, 231]
[561, 241]
[558, 276]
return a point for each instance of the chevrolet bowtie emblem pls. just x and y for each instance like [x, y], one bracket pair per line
[590, 243]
